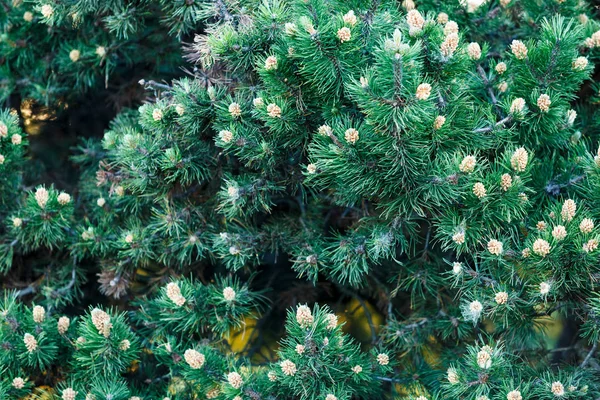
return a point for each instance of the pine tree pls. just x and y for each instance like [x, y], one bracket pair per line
[435, 163]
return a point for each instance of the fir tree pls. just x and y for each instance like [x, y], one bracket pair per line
[436, 159]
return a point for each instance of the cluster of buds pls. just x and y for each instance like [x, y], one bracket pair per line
[101, 321]
[174, 294]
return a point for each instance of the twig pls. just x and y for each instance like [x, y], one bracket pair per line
[589, 355]
[502, 122]
[486, 81]
[69, 285]
[554, 188]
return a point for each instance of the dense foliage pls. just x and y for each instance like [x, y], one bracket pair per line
[431, 167]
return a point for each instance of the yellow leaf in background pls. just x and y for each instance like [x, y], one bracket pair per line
[431, 354]
[176, 386]
[358, 324]
[41, 393]
[239, 337]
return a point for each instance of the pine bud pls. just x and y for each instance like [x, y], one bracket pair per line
[63, 325]
[235, 110]
[357, 369]
[274, 111]
[467, 165]
[541, 247]
[541, 226]
[450, 27]
[502, 87]
[559, 232]
[383, 359]
[304, 316]
[457, 268]
[449, 45]
[233, 192]
[415, 20]
[16, 139]
[124, 345]
[30, 343]
[291, 29]
[505, 182]
[234, 250]
[39, 314]
[484, 359]
[543, 102]
[258, 102]
[326, 130]
[311, 168]
[459, 237]
[271, 63]
[452, 375]
[41, 197]
[64, 198]
[442, 18]
[364, 83]
[519, 159]
[47, 10]
[351, 135]
[517, 106]
[408, 5]
[129, 238]
[157, 114]
[272, 376]
[586, 225]
[519, 49]
[331, 397]
[69, 394]
[101, 321]
[568, 210]
[423, 91]
[590, 246]
[495, 247]
[179, 109]
[544, 288]
[229, 294]
[100, 202]
[350, 18]
[501, 297]
[235, 380]
[501, 68]
[17, 222]
[332, 321]
[475, 310]
[226, 136]
[74, 55]
[557, 389]
[100, 51]
[579, 64]
[514, 395]
[479, 190]
[474, 51]
[344, 34]
[28, 16]
[583, 19]
[440, 120]
[194, 358]
[3, 130]
[300, 349]
[288, 367]
[174, 294]
[18, 383]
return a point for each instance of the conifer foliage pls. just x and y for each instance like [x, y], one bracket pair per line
[435, 162]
